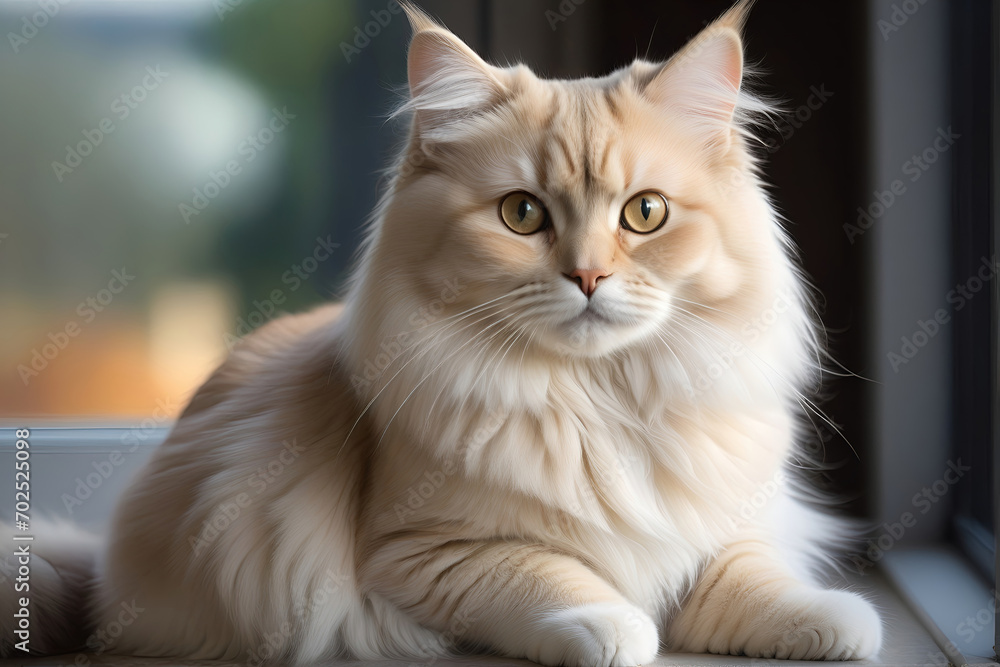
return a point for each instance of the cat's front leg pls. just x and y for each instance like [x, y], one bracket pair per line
[748, 603]
[524, 600]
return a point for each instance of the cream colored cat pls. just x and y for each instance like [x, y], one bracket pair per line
[564, 380]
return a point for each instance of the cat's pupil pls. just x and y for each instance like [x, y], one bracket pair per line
[645, 208]
[522, 209]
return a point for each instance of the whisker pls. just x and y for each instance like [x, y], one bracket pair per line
[484, 344]
[402, 368]
[510, 294]
[670, 349]
[428, 375]
[437, 338]
[800, 398]
[431, 345]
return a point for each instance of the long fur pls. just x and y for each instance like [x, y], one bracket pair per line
[470, 453]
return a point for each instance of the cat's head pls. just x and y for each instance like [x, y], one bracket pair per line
[581, 216]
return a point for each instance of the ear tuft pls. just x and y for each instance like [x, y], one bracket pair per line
[447, 80]
[736, 16]
[446, 74]
[700, 85]
[419, 20]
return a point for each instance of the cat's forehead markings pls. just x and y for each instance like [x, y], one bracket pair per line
[598, 139]
[610, 93]
[579, 141]
[567, 153]
[541, 164]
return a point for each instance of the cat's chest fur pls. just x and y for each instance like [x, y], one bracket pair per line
[630, 479]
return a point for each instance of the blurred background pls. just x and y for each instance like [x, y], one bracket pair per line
[219, 156]
[174, 173]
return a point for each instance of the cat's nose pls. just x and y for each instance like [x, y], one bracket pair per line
[587, 279]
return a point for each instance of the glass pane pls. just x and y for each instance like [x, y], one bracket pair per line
[175, 174]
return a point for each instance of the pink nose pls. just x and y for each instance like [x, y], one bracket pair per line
[587, 279]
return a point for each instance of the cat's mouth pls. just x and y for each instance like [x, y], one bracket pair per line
[591, 332]
[599, 327]
[591, 315]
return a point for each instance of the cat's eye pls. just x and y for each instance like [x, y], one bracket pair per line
[645, 213]
[523, 213]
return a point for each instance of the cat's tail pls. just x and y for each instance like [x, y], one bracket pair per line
[46, 578]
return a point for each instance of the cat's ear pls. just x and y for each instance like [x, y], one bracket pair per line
[700, 85]
[448, 81]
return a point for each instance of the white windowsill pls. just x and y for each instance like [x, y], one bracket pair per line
[949, 596]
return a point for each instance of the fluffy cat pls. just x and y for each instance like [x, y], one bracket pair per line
[568, 368]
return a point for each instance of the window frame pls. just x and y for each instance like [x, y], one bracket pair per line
[973, 419]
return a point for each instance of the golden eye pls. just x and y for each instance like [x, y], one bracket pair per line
[522, 213]
[646, 212]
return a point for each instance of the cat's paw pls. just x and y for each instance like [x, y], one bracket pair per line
[597, 635]
[817, 625]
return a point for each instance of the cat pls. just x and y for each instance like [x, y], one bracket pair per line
[552, 418]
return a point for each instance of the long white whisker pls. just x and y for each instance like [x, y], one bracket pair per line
[485, 344]
[683, 368]
[401, 369]
[438, 336]
[465, 312]
[435, 342]
[804, 401]
[424, 379]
